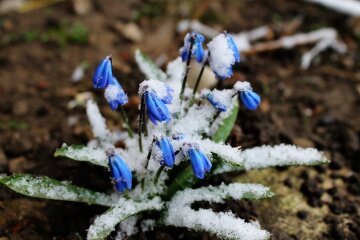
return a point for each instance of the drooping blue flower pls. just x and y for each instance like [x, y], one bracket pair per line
[200, 162]
[156, 108]
[121, 174]
[167, 99]
[250, 99]
[115, 95]
[197, 50]
[167, 152]
[216, 104]
[223, 54]
[103, 73]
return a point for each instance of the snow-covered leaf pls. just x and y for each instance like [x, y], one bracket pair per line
[82, 153]
[184, 179]
[44, 187]
[104, 224]
[148, 67]
[281, 155]
[224, 225]
[224, 130]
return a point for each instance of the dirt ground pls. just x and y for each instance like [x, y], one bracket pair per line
[318, 107]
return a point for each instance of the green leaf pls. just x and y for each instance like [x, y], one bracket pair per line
[184, 179]
[44, 187]
[148, 67]
[83, 153]
[225, 128]
[105, 223]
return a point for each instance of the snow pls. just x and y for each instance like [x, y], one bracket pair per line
[281, 155]
[148, 67]
[242, 86]
[154, 85]
[224, 225]
[96, 156]
[97, 121]
[221, 55]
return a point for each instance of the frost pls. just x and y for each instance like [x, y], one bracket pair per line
[222, 56]
[154, 85]
[97, 121]
[281, 155]
[224, 225]
[93, 155]
[242, 86]
[105, 223]
[127, 228]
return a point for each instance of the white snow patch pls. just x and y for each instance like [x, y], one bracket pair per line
[97, 121]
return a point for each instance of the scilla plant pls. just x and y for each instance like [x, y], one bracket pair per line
[180, 141]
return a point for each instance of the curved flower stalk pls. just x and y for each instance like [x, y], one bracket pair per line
[184, 142]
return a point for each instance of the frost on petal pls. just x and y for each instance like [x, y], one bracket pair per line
[224, 225]
[281, 155]
[221, 57]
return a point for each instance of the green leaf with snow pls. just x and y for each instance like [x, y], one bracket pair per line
[104, 224]
[148, 67]
[184, 179]
[224, 130]
[83, 153]
[44, 187]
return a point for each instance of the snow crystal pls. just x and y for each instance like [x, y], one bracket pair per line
[242, 86]
[147, 225]
[154, 85]
[97, 121]
[112, 92]
[124, 209]
[281, 155]
[222, 56]
[127, 228]
[224, 225]
[94, 155]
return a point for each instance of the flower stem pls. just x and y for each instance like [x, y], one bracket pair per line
[147, 163]
[186, 69]
[126, 120]
[215, 117]
[141, 119]
[158, 174]
[199, 77]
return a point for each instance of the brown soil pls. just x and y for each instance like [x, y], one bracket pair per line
[318, 108]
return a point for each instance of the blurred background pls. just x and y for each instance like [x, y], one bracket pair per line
[50, 48]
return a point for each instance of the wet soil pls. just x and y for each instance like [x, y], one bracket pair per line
[318, 107]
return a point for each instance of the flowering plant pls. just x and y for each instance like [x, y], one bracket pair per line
[181, 144]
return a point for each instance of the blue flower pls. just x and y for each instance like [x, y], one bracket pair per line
[223, 54]
[250, 99]
[115, 95]
[103, 73]
[167, 152]
[156, 109]
[216, 104]
[200, 162]
[120, 172]
[197, 50]
[167, 99]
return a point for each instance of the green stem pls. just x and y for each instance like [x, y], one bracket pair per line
[141, 119]
[147, 163]
[215, 117]
[126, 120]
[158, 174]
[186, 70]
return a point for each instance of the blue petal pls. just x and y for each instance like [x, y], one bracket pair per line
[216, 104]
[167, 152]
[103, 74]
[197, 163]
[157, 108]
[250, 99]
[168, 97]
[121, 173]
[234, 47]
[206, 161]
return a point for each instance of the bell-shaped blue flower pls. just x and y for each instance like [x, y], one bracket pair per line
[103, 73]
[167, 152]
[216, 104]
[200, 162]
[115, 95]
[121, 174]
[197, 49]
[223, 54]
[250, 99]
[156, 109]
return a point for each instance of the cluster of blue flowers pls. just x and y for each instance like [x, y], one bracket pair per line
[103, 78]
[155, 106]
